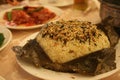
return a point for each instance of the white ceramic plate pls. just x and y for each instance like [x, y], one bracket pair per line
[58, 3]
[52, 75]
[8, 36]
[56, 10]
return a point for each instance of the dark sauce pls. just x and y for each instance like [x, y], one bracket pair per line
[117, 29]
[116, 2]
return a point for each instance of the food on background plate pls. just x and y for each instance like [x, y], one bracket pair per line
[28, 16]
[70, 46]
[2, 38]
[13, 2]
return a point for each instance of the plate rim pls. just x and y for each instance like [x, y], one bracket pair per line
[8, 41]
[70, 3]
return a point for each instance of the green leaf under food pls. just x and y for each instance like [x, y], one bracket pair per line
[36, 10]
[17, 9]
[9, 15]
[2, 38]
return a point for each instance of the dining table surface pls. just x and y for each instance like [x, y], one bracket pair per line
[9, 67]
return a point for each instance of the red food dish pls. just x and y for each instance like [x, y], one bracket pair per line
[29, 16]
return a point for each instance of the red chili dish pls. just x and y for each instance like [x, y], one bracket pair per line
[29, 16]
